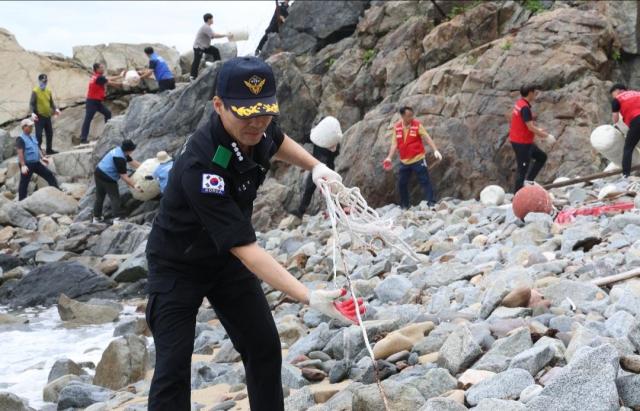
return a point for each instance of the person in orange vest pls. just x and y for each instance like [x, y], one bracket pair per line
[96, 94]
[522, 135]
[627, 103]
[407, 140]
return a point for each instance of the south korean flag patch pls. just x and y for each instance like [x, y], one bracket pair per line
[212, 184]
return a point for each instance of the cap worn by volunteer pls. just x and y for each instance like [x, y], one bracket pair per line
[42, 77]
[247, 85]
[27, 122]
[163, 157]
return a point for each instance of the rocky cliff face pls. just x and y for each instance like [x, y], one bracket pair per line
[461, 74]
[19, 71]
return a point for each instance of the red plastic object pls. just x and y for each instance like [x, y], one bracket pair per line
[531, 199]
[567, 216]
[348, 308]
[386, 164]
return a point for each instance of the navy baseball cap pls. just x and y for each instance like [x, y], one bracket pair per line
[247, 85]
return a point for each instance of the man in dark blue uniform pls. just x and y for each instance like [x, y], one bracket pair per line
[203, 244]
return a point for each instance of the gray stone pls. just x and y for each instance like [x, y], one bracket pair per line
[316, 340]
[574, 235]
[207, 374]
[498, 357]
[435, 382]
[292, 377]
[132, 269]
[63, 367]
[123, 238]
[43, 285]
[505, 385]
[77, 312]
[582, 337]
[587, 383]
[82, 395]
[442, 404]
[530, 392]
[493, 404]
[49, 256]
[137, 326]
[534, 359]
[301, 400]
[227, 353]
[394, 288]
[207, 339]
[52, 390]
[459, 351]
[619, 324]
[348, 342]
[223, 406]
[629, 390]
[14, 214]
[401, 397]
[338, 372]
[585, 296]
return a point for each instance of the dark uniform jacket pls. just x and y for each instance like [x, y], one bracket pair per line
[206, 208]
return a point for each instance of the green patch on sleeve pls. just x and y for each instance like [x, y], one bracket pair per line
[222, 157]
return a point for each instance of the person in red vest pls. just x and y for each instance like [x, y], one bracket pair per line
[627, 103]
[522, 135]
[95, 98]
[407, 140]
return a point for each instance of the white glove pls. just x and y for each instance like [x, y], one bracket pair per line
[437, 155]
[24, 170]
[34, 117]
[551, 138]
[322, 172]
[326, 302]
[57, 113]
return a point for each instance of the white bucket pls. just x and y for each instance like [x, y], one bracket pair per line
[609, 142]
[327, 133]
[239, 35]
[492, 195]
[131, 78]
[150, 188]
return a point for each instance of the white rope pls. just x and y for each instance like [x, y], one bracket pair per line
[349, 210]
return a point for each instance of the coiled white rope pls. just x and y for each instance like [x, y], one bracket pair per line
[348, 210]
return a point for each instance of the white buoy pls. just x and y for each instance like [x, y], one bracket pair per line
[327, 134]
[609, 142]
[150, 187]
[238, 35]
[492, 195]
[131, 78]
[608, 190]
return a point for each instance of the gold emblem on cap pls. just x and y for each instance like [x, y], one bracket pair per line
[255, 84]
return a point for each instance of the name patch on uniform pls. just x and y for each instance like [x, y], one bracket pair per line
[212, 184]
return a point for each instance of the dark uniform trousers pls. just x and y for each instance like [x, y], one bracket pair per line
[240, 304]
[527, 171]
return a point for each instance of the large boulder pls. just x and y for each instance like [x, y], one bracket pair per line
[12, 402]
[50, 200]
[43, 285]
[123, 238]
[81, 395]
[312, 25]
[19, 71]
[74, 163]
[121, 56]
[14, 214]
[124, 362]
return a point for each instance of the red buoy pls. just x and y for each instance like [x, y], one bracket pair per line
[531, 199]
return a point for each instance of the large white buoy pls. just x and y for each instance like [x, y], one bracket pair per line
[150, 187]
[131, 78]
[327, 134]
[239, 35]
[609, 142]
[492, 195]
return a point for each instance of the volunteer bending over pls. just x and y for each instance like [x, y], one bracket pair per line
[202, 243]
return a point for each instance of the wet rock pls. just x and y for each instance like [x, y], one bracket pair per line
[43, 285]
[52, 389]
[82, 395]
[137, 326]
[132, 269]
[64, 367]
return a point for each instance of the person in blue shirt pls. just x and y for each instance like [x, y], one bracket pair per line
[31, 159]
[111, 168]
[161, 174]
[160, 69]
